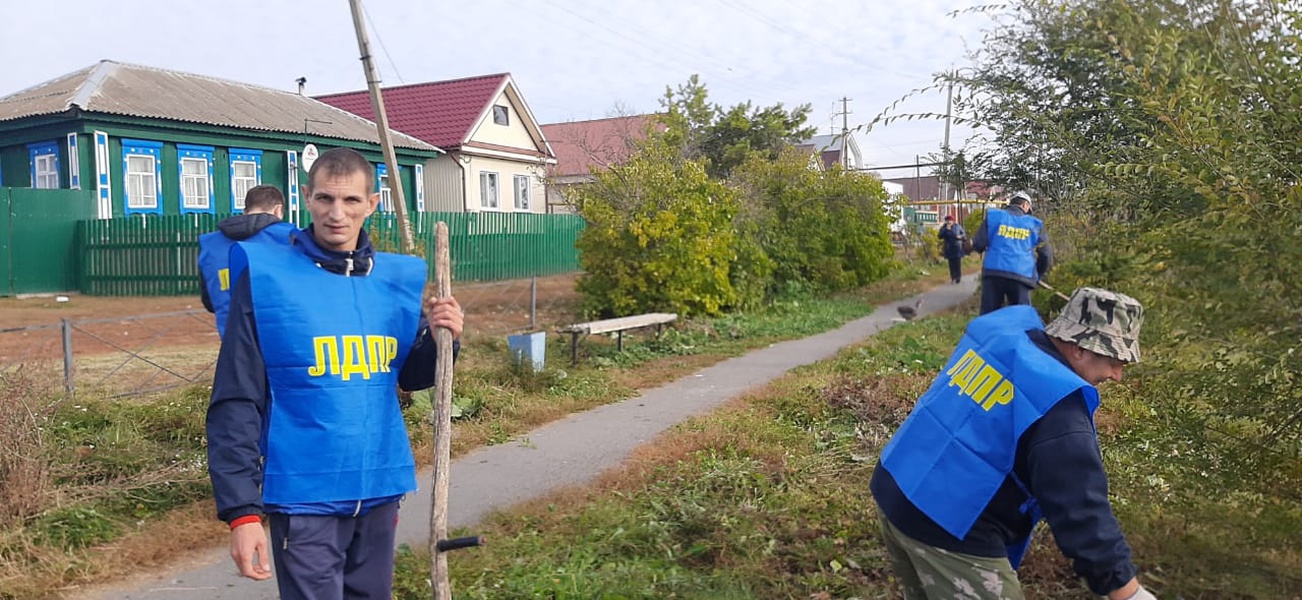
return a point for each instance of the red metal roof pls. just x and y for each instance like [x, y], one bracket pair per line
[600, 143]
[438, 112]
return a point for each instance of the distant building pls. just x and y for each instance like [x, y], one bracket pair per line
[151, 141]
[585, 147]
[830, 151]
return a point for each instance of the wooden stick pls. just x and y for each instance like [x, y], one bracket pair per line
[438, 523]
[1055, 292]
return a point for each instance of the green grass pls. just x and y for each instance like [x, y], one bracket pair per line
[118, 468]
[768, 498]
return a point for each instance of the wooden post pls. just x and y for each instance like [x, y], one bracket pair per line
[382, 123]
[438, 526]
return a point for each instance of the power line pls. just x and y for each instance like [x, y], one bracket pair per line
[375, 28]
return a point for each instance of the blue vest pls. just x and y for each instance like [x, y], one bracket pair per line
[1012, 242]
[214, 263]
[955, 449]
[333, 347]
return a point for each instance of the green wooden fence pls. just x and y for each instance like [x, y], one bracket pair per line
[155, 255]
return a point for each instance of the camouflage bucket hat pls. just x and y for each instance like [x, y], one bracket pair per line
[1101, 321]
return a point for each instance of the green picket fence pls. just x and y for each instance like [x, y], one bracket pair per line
[491, 246]
[156, 255]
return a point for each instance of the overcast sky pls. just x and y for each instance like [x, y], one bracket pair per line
[572, 59]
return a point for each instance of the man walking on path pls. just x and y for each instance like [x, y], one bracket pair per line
[1017, 254]
[264, 207]
[951, 236]
[1004, 437]
[304, 424]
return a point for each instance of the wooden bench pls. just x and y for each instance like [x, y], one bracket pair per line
[618, 325]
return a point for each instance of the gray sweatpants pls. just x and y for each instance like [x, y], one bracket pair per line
[335, 558]
[930, 573]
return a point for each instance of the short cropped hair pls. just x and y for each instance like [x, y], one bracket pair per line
[263, 198]
[341, 162]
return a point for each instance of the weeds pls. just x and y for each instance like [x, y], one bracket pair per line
[24, 468]
[768, 498]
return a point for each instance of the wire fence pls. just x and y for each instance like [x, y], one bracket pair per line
[134, 355]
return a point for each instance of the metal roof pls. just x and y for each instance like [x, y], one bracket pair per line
[137, 91]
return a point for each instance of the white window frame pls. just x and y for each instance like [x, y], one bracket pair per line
[520, 191]
[200, 199]
[386, 193]
[242, 181]
[144, 197]
[47, 172]
[485, 202]
[148, 196]
[241, 184]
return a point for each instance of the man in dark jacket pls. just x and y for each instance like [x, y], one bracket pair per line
[951, 236]
[304, 424]
[1004, 437]
[1017, 254]
[264, 207]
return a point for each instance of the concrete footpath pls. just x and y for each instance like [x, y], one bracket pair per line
[573, 450]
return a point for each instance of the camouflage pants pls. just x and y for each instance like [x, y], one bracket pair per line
[929, 573]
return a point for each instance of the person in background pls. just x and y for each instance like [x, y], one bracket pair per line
[1004, 437]
[264, 207]
[1017, 254]
[951, 238]
[304, 424]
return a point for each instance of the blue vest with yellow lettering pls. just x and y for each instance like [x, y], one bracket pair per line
[214, 263]
[955, 449]
[333, 347]
[1012, 242]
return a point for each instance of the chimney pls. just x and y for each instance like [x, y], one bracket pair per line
[302, 81]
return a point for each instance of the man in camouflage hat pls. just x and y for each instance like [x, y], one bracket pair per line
[1004, 437]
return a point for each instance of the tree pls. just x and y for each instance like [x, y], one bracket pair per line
[1155, 129]
[725, 138]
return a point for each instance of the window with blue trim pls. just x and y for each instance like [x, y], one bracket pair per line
[142, 168]
[44, 159]
[195, 168]
[382, 186]
[246, 174]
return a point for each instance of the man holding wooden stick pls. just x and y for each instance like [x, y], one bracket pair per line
[304, 424]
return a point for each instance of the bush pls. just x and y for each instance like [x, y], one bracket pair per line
[660, 237]
[823, 231]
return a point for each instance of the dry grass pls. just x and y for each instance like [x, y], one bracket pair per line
[24, 468]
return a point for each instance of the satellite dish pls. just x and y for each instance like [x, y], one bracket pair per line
[310, 153]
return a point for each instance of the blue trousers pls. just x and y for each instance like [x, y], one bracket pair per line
[998, 292]
[333, 557]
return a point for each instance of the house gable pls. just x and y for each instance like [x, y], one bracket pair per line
[452, 115]
[506, 125]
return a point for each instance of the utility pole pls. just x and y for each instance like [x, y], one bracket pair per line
[382, 121]
[949, 104]
[845, 132]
